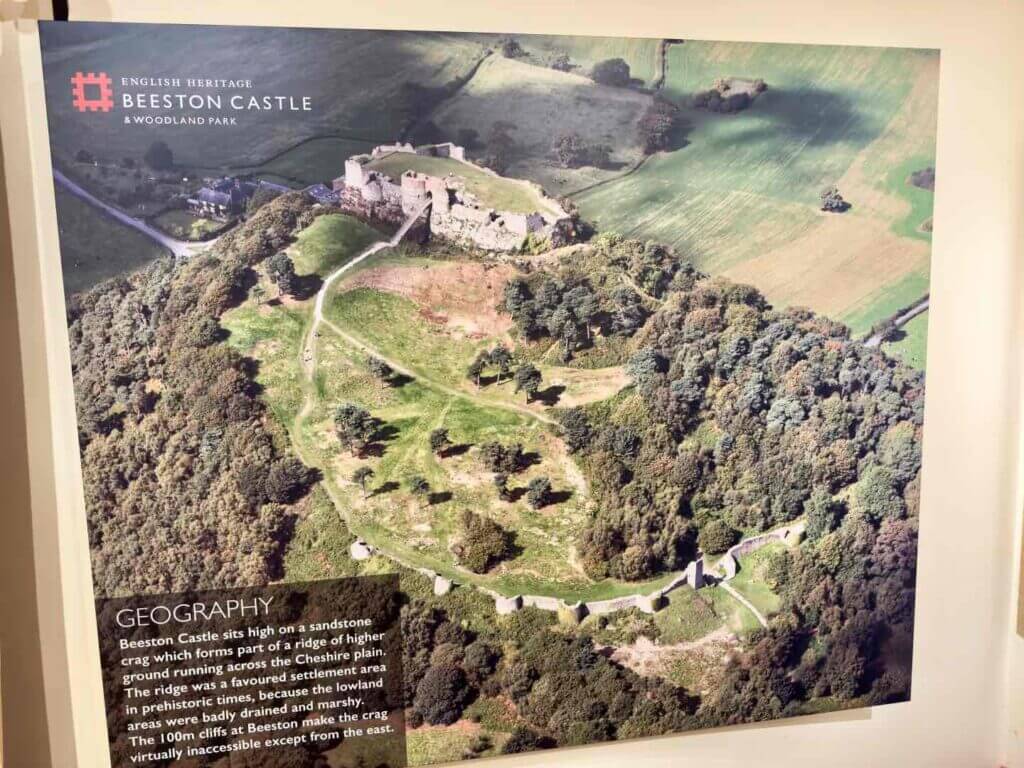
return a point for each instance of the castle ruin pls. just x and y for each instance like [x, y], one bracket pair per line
[455, 213]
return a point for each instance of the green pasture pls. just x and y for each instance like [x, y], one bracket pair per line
[750, 181]
[95, 247]
[329, 242]
[912, 347]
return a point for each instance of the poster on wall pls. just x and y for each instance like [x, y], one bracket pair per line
[446, 395]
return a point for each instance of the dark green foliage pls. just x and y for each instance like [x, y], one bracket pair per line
[561, 310]
[576, 430]
[507, 459]
[379, 368]
[354, 427]
[823, 514]
[260, 198]
[483, 543]
[441, 695]
[521, 740]
[282, 272]
[360, 476]
[571, 151]
[527, 379]
[538, 492]
[159, 156]
[440, 441]
[184, 487]
[659, 125]
[613, 72]
[418, 485]
[716, 537]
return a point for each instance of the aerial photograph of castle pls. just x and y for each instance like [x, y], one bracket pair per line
[614, 349]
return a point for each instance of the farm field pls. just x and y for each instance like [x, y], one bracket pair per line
[537, 105]
[641, 53]
[94, 247]
[912, 347]
[494, 191]
[741, 198]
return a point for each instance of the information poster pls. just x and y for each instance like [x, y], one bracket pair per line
[447, 395]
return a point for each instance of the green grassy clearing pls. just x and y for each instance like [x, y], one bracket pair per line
[922, 201]
[94, 247]
[687, 617]
[394, 326]
[443, 744]
[737, 617]
[749, 580]
[822, 107]
[317, 160]
[913, 347]
[329, 242]
[182, 225]
[498, 192]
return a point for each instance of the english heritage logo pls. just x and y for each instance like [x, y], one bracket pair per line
[92, 92]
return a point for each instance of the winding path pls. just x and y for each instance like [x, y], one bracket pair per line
[309, 357]
[181, 249]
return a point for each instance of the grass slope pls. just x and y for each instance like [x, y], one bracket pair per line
[95, 247]
[329, 242]
[912, 347]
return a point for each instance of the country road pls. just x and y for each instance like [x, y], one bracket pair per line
[182, 249]
[875, 339]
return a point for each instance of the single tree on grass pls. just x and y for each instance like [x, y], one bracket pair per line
[832, 201]
[527, 379]
[501, 483]
[483, 543]
[476, 369]
[439, 441]
[282, 272]
[354, 427]
[381, 370]
[500, 358]
[538, 492]
[360, 476]
[418, 485]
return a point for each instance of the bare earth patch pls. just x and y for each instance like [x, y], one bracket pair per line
[461, 296]
[701, 662]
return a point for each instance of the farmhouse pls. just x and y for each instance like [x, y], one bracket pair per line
[226, 197]
[456, 213]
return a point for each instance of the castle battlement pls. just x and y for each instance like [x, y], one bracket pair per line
[455, 213]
